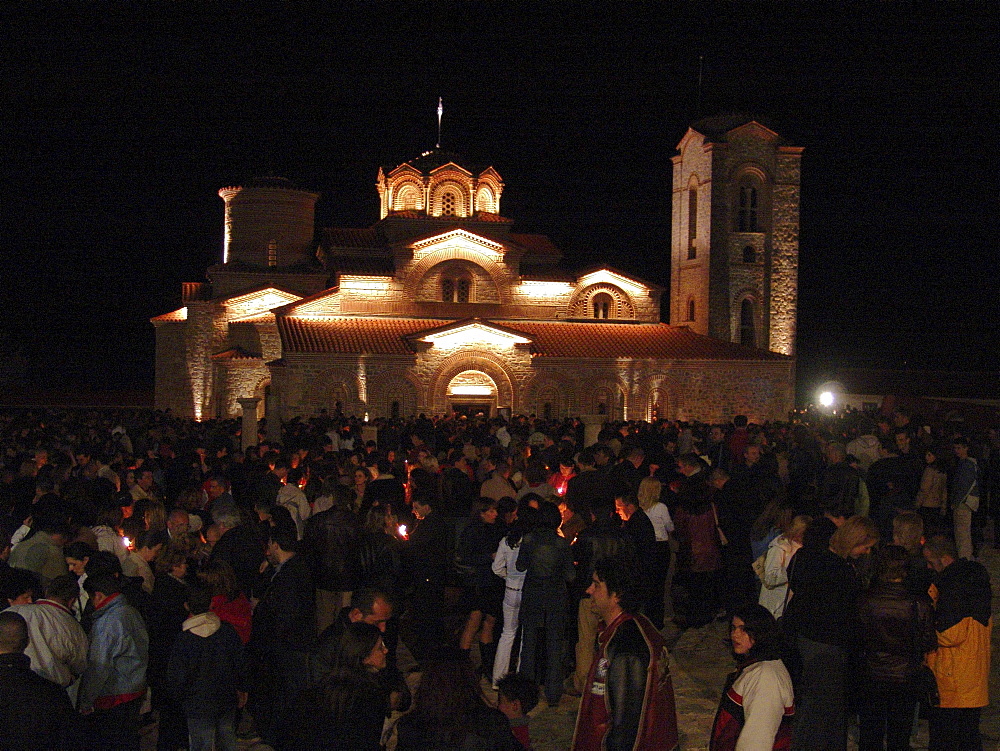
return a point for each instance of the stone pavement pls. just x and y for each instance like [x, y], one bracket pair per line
[699, 664]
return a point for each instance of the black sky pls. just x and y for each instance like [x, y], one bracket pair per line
[120, 126]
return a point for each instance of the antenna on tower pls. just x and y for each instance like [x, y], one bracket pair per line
[697, 108]
[440, 112]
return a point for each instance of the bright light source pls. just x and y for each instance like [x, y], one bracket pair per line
[471, 390]
[826, 398]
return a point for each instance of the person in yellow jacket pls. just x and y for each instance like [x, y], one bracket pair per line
[961, 663]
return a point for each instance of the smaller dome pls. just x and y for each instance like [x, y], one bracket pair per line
[271, 182]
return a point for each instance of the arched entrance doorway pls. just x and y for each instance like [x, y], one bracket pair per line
[472, 392]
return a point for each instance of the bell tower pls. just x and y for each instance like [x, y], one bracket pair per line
[735, 234]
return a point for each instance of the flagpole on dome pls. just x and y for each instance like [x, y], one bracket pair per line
[440, 112]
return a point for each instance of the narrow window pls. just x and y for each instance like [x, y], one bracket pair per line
[394, 411]
[747, 218]
[747, 333]
[463, 287]
[547, 411]
[691, 309]
[692, 223]
[602, 408]
[448, 289]
[602, 304]
[749, 254]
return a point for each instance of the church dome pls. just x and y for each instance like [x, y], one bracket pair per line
[439, 183]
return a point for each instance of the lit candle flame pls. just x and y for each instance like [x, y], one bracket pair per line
[128, 542]
[402, 531]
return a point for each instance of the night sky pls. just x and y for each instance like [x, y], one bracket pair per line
[119, 128]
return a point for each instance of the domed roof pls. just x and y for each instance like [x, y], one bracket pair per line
[271, 182]
[431, 160]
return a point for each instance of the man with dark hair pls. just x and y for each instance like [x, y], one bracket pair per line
[58, 648]
[284, 627]
[114, 683]
[35, 713]
[332, 547]
[427, 556]
[206, 674]
[962, 599]
[628, 701]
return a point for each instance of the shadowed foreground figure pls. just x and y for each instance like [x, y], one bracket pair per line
[628, 701]
[35, 713]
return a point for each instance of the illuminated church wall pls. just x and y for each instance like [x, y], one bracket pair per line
[422, 310]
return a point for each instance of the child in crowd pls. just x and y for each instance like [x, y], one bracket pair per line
[517, 695]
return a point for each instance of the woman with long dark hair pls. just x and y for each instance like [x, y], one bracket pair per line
[449, 711]
[347, 708]
[757, 702]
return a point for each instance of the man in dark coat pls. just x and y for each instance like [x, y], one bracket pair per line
[284, 628]
[35, 713]
[242, 547]
[331, 545]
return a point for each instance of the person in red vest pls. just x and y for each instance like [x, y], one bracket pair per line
[628, 700]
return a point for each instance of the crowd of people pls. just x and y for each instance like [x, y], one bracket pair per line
[360, 584]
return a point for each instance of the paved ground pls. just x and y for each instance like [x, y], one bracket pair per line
[699, 664]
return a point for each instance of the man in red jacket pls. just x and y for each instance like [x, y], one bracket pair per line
[628, 700]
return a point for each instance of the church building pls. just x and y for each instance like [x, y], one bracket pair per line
[443, 306]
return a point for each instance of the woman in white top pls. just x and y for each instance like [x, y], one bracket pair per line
[757, 703]
[650, 490]
[774, 584]
[504, 566]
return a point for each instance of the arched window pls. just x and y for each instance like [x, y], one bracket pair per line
[691, 309]
[603, 305]
[747, 217]
[692, 223]
[747, 333]
[456, 288]
[749, 254]
[547, 411]
[407, 198]
[484, 200]
[449, 203]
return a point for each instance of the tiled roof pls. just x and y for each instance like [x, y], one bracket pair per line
[374, 266]
[376, 336]
[235, 353]
[537, 244]
[623, 340]
[386, 336]
[348, 237]
[180, 314]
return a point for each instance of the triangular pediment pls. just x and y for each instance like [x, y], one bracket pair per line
[753, 129]
[257, 301]
[610, 275]
[455, 236]
[451, 167]
[322, 303]
[469, 331]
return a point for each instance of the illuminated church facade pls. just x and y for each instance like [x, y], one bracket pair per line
[442, 306]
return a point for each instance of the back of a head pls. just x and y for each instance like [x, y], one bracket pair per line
[199, 600]
[891, 563]
[858, 530]
[13, 633]
[549, 516]
[941, 546]
[102, 562]
[907, 530]
[448, 691]
[63, 588]
[103, 583]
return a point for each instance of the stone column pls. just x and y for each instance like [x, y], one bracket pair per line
[592, 425]
[249, 406]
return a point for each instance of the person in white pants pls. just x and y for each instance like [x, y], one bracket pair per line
[504, 566]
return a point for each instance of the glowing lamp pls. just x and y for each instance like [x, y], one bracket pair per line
[826, 398]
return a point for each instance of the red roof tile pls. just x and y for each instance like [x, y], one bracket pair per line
[537, 244]
[386, 336]
[347, 237]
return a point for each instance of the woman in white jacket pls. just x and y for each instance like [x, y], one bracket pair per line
[774, 584]
[504, 566]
